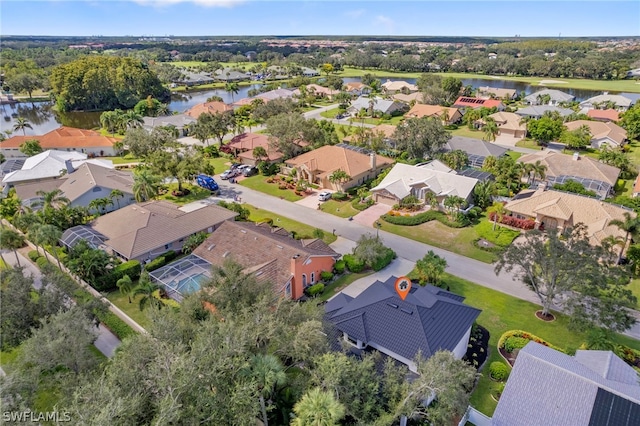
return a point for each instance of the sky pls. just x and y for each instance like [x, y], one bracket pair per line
[325, 17]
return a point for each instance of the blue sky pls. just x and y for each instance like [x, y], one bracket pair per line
[328, 17]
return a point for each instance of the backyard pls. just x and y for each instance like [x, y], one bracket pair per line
[131, 309]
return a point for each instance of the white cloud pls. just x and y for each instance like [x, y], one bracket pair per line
[355, 13]
[384, 21]
[205, 3]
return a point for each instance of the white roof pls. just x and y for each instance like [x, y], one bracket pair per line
[619, 100]
[48, 164]
[403, 177]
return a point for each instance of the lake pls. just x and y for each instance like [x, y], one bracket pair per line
[43, 119]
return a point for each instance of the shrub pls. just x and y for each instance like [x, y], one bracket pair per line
[42, 262]
[498, 371]
[156, 263]
[169, 255]
[115, 324]
[352, 263]
[515, 222]
[131, 268]
[362, 206]
[514, 342]
[315, 289]
[412, 220]
[384, 260]
[326, 276]
[33, 255]
[339, 196]
[339, 267]
[525, 335]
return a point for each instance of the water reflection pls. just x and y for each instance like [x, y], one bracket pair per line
[44, 119]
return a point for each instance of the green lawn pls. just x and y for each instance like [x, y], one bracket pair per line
[131, 309]
[466, 132]
[376, 121]
[457, 240]
[220, 164]
[339, 208]
[528, 143]
[8, 357]
[586, 153]
[197, 193]
[340, 283]
[634, 286]
[634, 152]
[500, 313]
[259, 183]
[624, 188]
[331, 113]
[514, 154]
[301, 229]
[124, 159]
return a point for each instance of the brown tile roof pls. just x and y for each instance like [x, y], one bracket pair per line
[328, 159]
[416, 96]
[509, 120]
[422, 110]
[248, 141]
[64, 137]
[564, 165]
[604, 114]
[600, 130]
[208, 107]
[137, 229]
[354, 85]
[259, 249]
[26, 191]
[387, 130]
[595, 214]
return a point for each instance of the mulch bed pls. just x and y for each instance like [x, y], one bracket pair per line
[509, 357]
[480, 340]
[547, 318]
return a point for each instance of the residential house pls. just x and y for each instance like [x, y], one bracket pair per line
[538, 111]
[556, 97]
[82, 185]
[445, 114]
[214, 107]
[428, 320]
[230, 75]
[404, 180]
[376, 104]
[318, 165]
[309, 72]
[601, 133]
[392, 87]
[487, 92]
[318, 91]
[509, 124]
[180, 121]
[387, 131]
[146, 230]
[619, 102]
[415, 97]
[474, 103]
[634, 97]
[562, 210]
[548, 387]
[560, 168]
[606, 115]
[48, 165]
[357, 88]
[243, 145]
[271, 255]
[190, 79]
[636, 187]
[64, 138]
[477, 150]
[11, 165]
[633, 73]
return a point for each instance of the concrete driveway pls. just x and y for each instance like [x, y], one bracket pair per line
[507, 140]
[311, 201]
[369, 216]
[396, 268]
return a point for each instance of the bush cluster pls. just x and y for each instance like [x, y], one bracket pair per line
[33, 255]
[498, 371]
[315, 289]
[384, 260]
[41, 262]
[525, 335]
[502, 237]
[339, 267]
[339, 196]
[131, 268]
[116, 325]
[353, 264]
[515, 222]
[512, 343]
[326, 276]
[421, 218]
[362, 206]
[156, 263]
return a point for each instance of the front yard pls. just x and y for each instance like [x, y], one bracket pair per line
[259, 183]
[341, 283]
[500, 313]
[528, 143]
[339, 208]
[197, 193]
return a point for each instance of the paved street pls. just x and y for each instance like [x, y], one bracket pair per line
[461, 266]
[107, 342]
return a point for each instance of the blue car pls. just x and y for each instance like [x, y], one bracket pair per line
[207, 182]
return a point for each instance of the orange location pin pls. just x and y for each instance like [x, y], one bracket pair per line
[403, 285]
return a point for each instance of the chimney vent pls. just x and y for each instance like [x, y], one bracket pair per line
[69, 166]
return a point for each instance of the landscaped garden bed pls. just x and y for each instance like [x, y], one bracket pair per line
[512, 341]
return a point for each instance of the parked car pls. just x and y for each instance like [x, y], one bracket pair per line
[324, 196]
[250, 171]
[228, 174]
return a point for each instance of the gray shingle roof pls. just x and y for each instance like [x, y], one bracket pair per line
[540, 110]
[547, 387]
[475, 147]
[555, 95]
[429, 319]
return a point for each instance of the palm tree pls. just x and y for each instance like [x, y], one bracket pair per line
[231, 88]
[163, 109]
[631, 226]
[22, 123]
[339, 176]
[11, 240]
[145, 185]
[117, 194]
[110, 120]
[538, 170]
[490, 129]
[52, 199]
[267, 372]
[49, 235]
[131, 119]
[125, 285]
[146, 288]
[36, 236]
[499, 211]
[318, 408]
[260, 154]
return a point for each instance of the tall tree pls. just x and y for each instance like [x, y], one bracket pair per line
[318, 408]
[545, 129]
[147, 289]
[490, 129]
[47, 235]
[116, 194]
[30, 147]
[23, 124]
[631, 227]
[11, 240]
[126, 287]
[421, 137]
[145, 184]
[260, 154]
[54, 199]
[267, 372]
[231, 89]
[339, 177]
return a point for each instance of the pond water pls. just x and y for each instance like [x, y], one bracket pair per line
[43, 118]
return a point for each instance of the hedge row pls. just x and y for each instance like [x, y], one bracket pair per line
[421, 218]
[131, 268]
[115, 324]
[339, 266]
[156, 263]
[34, 255]
[352, 263]
[525, 335]
[515, 222]
[362, 206]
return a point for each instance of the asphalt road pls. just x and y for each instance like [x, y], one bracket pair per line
[458, 265]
